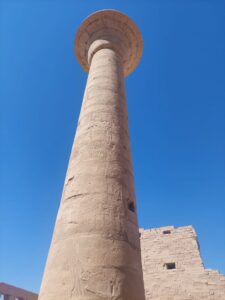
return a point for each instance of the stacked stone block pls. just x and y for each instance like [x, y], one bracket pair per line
[173, 268]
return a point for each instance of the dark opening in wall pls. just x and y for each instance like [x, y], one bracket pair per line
[166, 232]
[131, 206]
[170, 266]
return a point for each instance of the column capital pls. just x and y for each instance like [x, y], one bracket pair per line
[109, 29]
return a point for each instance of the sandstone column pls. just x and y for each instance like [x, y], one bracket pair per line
[95, 250]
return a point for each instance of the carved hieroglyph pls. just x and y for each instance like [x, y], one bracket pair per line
[95, 249]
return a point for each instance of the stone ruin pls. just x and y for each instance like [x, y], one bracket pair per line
[95, 253]
[95, 249]
[173, 268]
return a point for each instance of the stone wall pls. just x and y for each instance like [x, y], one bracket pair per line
[173, 268]
[10, 292]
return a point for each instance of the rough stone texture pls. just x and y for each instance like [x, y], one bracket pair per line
[109, 29]
[190, 280]
[95, 250]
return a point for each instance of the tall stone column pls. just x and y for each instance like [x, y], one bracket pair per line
[95, 251]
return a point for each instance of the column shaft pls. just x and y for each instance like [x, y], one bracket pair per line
[95, 251]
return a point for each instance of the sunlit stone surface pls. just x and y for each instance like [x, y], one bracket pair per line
[95, 250]
[173, 268]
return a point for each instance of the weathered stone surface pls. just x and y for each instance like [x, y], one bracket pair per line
[109, 29]
[95, 250]
[162, 247]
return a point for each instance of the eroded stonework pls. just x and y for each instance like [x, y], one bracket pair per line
[95, 250]
[173, 268]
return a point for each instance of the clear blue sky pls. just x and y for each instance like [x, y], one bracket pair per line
[176, 100]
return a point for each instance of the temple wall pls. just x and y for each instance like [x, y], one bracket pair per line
[10, 292]
[173, 268]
